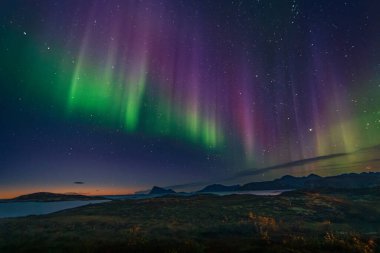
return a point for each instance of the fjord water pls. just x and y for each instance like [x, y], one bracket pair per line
[187, 194]
[257, 193]
[18, 209]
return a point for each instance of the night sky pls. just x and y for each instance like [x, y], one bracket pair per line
[123, 95]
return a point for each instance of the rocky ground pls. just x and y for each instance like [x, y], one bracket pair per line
[299, 221]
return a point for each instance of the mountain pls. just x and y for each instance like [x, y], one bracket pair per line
[49, 197]
[220, 188]
[159, 190]
[286, 182]
[344, 181]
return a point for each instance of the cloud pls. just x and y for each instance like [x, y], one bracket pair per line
[78, 182]
[286, 165]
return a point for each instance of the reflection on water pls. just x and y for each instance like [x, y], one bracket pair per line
[17, 209]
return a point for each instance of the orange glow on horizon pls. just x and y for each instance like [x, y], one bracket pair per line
[7, 193]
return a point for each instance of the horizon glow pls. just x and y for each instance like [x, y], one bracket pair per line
[167, 92]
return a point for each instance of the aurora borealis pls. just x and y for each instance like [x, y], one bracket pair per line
[126, 94]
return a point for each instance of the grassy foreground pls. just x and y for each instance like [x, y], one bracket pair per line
[319, 221]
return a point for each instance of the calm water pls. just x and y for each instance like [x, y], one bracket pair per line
[17, 209]
[259, 193]
[148, 196]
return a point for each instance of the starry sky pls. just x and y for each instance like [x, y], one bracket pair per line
[123, 95]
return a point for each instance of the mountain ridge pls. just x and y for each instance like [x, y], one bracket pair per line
[312, 181]
[52, 197]
[160, 190]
